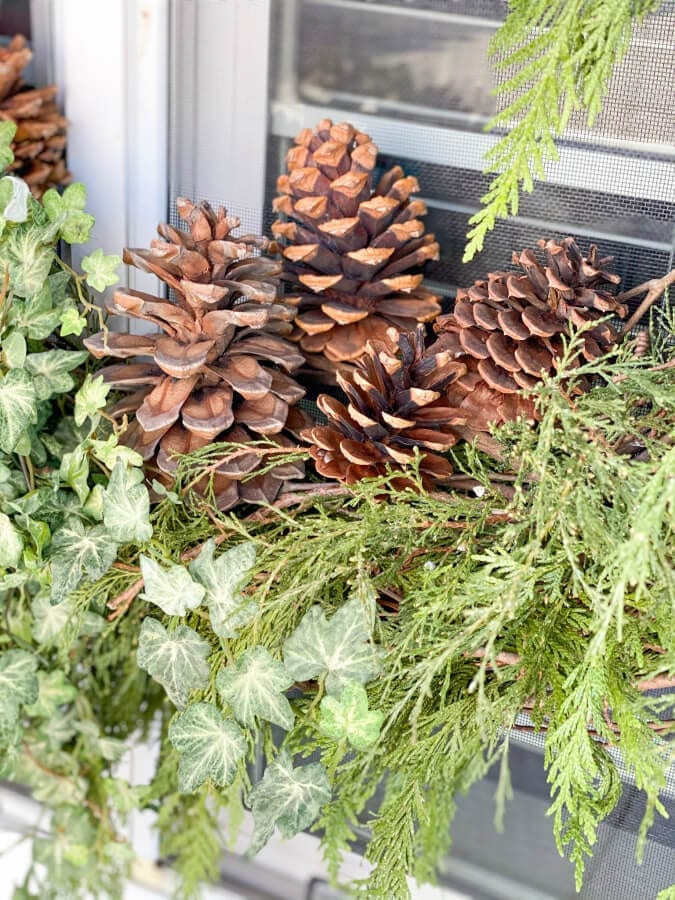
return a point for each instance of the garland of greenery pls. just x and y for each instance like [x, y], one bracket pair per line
[559, 56]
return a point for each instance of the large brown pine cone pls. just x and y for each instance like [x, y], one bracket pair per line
[508, 329]
[395, 404]
[39, 144]
[352, 251]
[218, 372]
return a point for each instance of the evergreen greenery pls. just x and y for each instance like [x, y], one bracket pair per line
[558, 56]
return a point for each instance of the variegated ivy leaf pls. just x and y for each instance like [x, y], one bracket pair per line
[254, 686]
[71, 321]
[210, 747]
[7, 132]
[18, 407]
[28, 258]
[37, 315]
[51, 370]
[348, 718]
[110, 451]
[223, 577]
[16, 200]
[77, 551]
[126, 506]
[49, 619]
[171, 589]
[14, 349]
[74, 470]
[18, 686]
[340, 647]
[101, 269]
[90, 398]
[176, 659]
[66, 211]
[288, 799]
[54, 691]
[11, 543]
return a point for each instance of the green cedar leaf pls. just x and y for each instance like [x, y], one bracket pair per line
[288, 799]
[29, 260]
[7, 132]
[18, 686]
[51, 370]
[49, 619]
[223, 577]
[254, 686]
[76, 552]
[349, 717]
[14, 349]
[54, 691]
[210, 747]
[340, 647]
[90, 398]
[16, 200]
[126, 506]
[171, 589]
[177, 660]
[18, 407]
[74, 470]
[11, 543]
[101, 269]
[71, 321]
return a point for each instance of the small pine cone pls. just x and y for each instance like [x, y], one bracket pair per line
[508, 330]
[395, 404]
[39, 144]
[352, 252]
[219, 371]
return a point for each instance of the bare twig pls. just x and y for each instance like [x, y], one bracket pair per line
[654, 287]
[121, 603]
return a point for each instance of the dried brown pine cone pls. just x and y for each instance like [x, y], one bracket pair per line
[508, 329]
[218, 370]
[352, 251]
[395, 404]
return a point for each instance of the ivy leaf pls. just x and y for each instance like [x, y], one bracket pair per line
[111, 451]
[177, 660]
[54, 691]
[126, 506]
[340, 647]
[11, 544]
[253, 687]
[18, 685]
[51, 370]
[16, 199]
[223, 577]
[67, 211]
[90, 398]
[75, 552]
[210, 747]
[49, 619]
[171, 589]
[71, 321]
[36, 316]
[74, 470]
[29, 260]
[14, 349]
[349, 717]
[18, 407]
[7, 132]
[101, 269]
[288, 799]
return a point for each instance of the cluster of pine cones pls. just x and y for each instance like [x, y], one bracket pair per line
[354, 316]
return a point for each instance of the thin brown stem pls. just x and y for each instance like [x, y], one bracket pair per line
[655, 288]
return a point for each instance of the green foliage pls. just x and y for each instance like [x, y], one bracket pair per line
[348, 718]
[253, 687]
[126, 505]
[287, 798]
[101, 269]
[210, 747]
[222, 578]
[559, 56]
[171, 589]
[176, 659]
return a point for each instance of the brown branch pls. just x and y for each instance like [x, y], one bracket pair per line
[654, 287]
[121, 603]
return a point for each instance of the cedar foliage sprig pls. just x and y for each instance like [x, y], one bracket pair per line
[560, 56]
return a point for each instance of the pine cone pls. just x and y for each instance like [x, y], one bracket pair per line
[215, 373]
[508, 330]
[396, 404]
[40, 141]
[350, 249]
